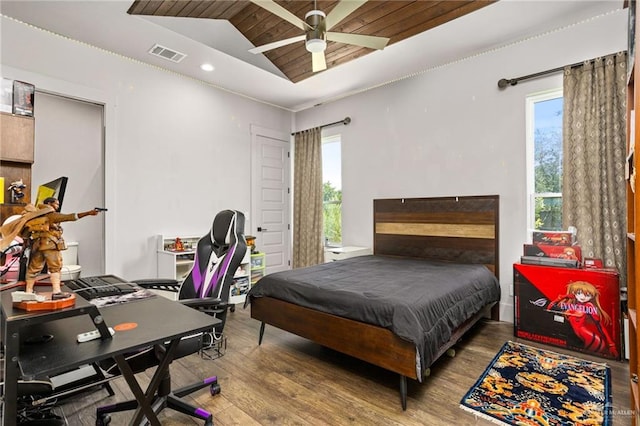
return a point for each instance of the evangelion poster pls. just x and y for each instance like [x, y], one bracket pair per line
[578, 309]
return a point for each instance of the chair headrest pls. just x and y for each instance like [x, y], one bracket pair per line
[228, 225]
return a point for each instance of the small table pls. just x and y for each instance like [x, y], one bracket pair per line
[63, 352]
[339, 253]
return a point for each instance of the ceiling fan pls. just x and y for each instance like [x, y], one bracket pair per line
[316, 26]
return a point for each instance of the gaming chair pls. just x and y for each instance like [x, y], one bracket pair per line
[218, 255]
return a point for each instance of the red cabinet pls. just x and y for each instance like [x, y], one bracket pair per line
[577, 309]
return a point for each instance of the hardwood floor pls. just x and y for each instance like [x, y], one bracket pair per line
[289, 380]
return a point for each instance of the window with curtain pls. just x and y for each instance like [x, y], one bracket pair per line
[332, 190]
[544, 160]
[576, 157]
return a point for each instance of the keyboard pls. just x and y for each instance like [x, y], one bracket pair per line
[100, 286]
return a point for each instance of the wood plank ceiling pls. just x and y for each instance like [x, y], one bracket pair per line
[395, 19]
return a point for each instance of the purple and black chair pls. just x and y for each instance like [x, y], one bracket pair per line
[206, 288]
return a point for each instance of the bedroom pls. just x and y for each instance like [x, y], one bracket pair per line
[421, 149]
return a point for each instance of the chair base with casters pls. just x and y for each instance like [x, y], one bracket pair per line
[165, 398]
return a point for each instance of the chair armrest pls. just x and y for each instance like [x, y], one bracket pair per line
[166, 284]
[202, 301]
[208, 305]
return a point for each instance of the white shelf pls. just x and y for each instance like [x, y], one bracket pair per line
[241, 281]
[172, 263]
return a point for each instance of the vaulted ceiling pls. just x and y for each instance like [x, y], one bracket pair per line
[396, 20]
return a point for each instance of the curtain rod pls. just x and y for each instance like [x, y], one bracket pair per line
[504, 82]
[345, 121]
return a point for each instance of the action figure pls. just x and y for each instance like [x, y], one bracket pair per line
[46, 243]
[581, 306]
[17, 191]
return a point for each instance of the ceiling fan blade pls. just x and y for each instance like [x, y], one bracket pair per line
[283, 13]
[341, 11]
[371, 42]
[318, 61]
[276, 44]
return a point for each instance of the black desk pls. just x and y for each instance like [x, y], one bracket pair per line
[158, 320]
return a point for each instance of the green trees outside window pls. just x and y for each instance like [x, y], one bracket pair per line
[332, 189]
[332, 214]
[547, 159]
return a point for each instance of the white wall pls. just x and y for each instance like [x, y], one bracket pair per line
[451, 131]
[176, 150]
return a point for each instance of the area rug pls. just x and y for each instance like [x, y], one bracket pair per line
[524, 385]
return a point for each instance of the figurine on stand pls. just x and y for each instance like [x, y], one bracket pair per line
[45, 235]
[17, 191]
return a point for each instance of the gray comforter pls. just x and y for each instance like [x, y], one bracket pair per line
[419, 300]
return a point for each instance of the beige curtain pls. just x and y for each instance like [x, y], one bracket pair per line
[308, 247]
[594, 133]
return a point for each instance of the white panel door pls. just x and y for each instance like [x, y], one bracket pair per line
[270, 195]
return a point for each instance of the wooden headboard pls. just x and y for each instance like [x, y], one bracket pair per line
[456, 229]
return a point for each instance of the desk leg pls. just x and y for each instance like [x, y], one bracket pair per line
[143, 404]
[144, 400]
[11, 349]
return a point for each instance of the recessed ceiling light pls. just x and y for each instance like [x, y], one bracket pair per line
[207, 67]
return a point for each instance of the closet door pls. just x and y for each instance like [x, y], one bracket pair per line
[270, 197]
[69, 142]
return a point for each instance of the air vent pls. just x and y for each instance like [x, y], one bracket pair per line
[166, 53]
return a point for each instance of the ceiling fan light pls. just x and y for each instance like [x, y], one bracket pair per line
[316, 45]
[315, 15]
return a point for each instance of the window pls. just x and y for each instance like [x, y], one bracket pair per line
[544, 160]
[332, 190]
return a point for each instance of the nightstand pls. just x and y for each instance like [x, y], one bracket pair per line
[340, 253]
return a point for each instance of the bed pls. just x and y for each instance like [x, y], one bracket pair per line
[433, 274]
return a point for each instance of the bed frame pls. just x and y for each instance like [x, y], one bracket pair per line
[460, 229]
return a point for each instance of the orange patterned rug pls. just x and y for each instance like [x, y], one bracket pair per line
[525, 385]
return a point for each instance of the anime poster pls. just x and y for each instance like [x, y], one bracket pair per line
[578, 309]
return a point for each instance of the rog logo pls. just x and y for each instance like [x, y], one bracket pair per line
[540, 302]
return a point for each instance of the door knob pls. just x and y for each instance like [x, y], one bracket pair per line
[261, 229]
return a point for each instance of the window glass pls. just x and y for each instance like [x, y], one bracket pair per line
[544, 160]
[332, 190]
